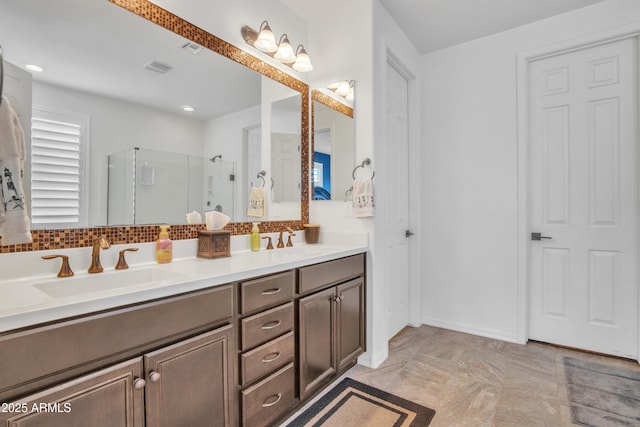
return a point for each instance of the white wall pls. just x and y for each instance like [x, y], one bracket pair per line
[470, 171]
[117, 126]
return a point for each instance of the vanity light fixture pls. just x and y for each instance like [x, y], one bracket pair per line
[282, 51]
[285, 53]
[266, 41]
[34, 68]
[303, 62]
[343, 88]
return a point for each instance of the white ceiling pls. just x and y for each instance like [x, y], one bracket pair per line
[436, 24]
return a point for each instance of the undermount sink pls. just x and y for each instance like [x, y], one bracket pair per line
[77, 285]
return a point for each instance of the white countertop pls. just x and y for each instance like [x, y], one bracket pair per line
[24, 303]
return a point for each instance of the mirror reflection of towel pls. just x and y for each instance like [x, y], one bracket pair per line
[256, 202]
[363, 203]
[14, 222]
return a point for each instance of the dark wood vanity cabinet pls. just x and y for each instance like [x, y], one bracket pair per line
[247, 353]
[266, 348]
[331, 322]
[165, 363]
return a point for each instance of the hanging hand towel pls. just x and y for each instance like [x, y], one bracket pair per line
[256, 202]
[363, 204]
[15, 225]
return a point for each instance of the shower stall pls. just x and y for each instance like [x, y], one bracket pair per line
[151, 186]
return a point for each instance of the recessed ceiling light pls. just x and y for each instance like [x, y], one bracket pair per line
[188, 108]
[34, 68]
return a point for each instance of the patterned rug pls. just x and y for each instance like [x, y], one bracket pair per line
[353, 404]
[602, 395]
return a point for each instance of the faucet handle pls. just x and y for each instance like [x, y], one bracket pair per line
[65, 268]
[289, 244]
[122, 263]
[269, 244]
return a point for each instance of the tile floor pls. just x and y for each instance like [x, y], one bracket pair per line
[473, 381]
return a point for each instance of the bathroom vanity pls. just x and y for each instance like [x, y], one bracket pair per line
[211, 344]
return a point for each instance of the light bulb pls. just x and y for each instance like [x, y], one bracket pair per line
[285, 52]
[303, 62]
[266, 41]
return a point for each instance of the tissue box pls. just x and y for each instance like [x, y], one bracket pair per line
[214, 244]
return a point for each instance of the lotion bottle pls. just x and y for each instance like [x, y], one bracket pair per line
[164, 246]
[255, 237]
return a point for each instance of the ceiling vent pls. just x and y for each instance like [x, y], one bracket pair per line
[192, 47]
[158, 67]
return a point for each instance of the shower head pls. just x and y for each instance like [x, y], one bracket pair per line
[213, 159]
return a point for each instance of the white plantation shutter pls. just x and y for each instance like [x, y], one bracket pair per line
[58, 147]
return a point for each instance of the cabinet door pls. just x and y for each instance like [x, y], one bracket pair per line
[106, 398]
[350, 321]
[189, 383]
[317, 356]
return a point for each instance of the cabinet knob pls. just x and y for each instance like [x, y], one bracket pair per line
[272, 400]
[154, 376]
[139, 383]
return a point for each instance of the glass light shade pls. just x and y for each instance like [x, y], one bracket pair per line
[350, 95]
[303, 62]
[343, 88]
[285, 53]
[266, 41]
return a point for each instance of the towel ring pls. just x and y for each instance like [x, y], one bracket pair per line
[364, 163]
[260, 175]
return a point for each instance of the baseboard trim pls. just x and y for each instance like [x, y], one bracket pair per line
[473, 330]
[374, 361]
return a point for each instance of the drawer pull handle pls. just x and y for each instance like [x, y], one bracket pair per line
[139, 383]
[277, 398]
[274, 356]
[271, 325]
[270, 291]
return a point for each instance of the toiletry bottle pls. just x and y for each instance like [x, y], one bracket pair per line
[255, 237]
[164, 246]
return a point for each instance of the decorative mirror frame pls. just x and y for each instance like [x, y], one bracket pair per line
[334, 104]
[81, 237]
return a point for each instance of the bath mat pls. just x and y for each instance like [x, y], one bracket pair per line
[353, 404]
[602, 395]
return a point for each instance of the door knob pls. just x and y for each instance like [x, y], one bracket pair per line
[408, 233]
[539, 236]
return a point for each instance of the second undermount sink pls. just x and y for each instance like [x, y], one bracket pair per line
[65, 287]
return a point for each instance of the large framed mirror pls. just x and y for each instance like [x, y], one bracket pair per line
[119, 75]
[332, 142]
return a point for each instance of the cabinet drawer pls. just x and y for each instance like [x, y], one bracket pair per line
[330, 272]
[265, 359]
[266, 291]
[264, 326]
[36, 354]
[269, 399]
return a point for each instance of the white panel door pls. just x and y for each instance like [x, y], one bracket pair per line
[584, 188]
[397, 207]
[285, 165]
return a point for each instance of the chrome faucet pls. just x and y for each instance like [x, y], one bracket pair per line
[100, 242]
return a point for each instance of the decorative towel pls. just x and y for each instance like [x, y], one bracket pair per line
[256, 202]
[363, 204]
[15, 225]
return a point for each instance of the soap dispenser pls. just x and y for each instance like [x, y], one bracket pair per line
[255, 237]
[164, 246]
